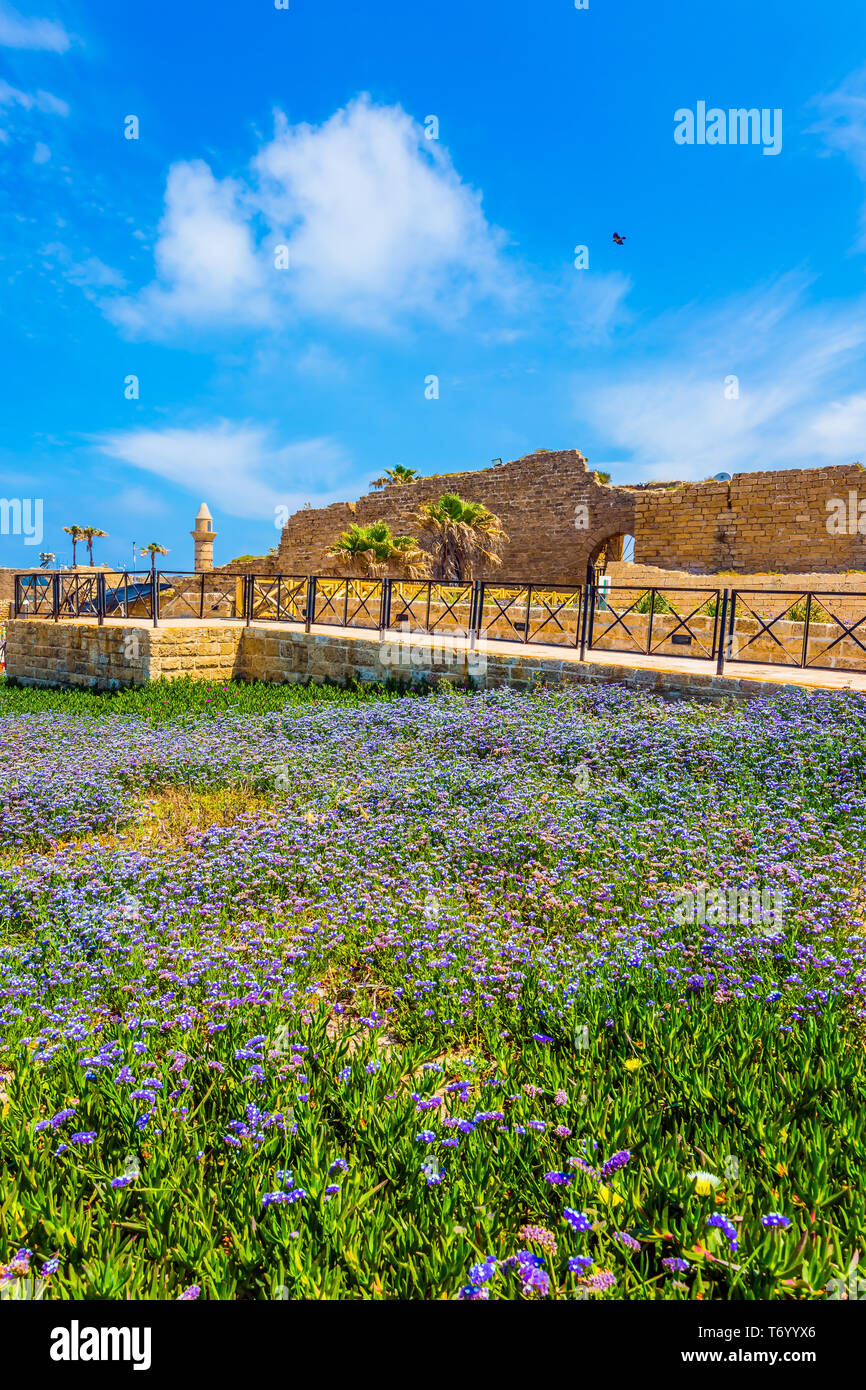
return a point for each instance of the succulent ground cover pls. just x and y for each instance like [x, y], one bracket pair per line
[390, 997]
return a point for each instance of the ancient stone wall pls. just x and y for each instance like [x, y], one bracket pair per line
[623, 574]
[756, 522]
[536, 498]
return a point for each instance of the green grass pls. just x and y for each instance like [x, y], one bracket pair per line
[164, 701]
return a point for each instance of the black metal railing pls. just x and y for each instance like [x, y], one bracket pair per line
[281, 598]
[536, 614]
[430, 606]
[655, 621]
[805, 629]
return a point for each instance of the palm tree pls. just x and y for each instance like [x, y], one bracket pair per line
[398, 474]
[153, 550]
[77, 534]
[371, 551]
[90, 533]
[465, 535]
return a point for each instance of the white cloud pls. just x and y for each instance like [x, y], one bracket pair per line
[797, 369]
[842, 124]
[842, 119]
[90, 274]
[377, 222]
[44, 102]
[839, 430]
[235, 467]
[208, 270]
[593, 304]
[18, 32]
[38, 101]
[376, 217]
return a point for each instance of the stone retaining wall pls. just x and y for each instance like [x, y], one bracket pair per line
[81, 653]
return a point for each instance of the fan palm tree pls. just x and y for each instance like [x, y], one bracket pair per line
[371, 551]
[465, 537]
[398, 474]
[90, 533]
[153, 550]
[77, 534]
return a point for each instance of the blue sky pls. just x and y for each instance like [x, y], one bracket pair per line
[408, 257]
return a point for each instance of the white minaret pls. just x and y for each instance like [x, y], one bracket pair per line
[204, 536]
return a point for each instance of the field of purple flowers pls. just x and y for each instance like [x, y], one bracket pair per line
[422, 1018]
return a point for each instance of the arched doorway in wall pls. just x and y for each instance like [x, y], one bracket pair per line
[618, 547]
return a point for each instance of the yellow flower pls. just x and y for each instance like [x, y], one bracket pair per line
[609, 1197]
[632, 1064]
[704, 1182]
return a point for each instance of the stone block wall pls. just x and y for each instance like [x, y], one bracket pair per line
[80, 653]
[535, 498]
[633, 575]
[756, 522]
[76, 653]
[42, 652]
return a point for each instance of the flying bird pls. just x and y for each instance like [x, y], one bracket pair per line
[618, 239]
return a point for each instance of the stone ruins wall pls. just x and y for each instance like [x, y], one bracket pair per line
[535, 497]
[624, 574]
[759, 522]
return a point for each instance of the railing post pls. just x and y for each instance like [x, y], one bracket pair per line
[528, 606]
[55, 597]
[580, 635]
[154, 596]
[479, 611]
[590, 617]
[201, 599]
[385, 609]
[248, 598]
[100, 599]
[649, 631]
[311, 600]
[722, 635]
[16, 597]
[806, 629]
